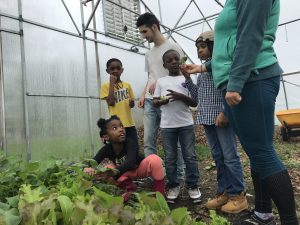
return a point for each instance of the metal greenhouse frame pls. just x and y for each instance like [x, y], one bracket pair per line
[81, 33]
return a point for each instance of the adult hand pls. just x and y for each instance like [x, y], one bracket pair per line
[185, 74]
[191, 68]
[152, 88]
[113, 79]
[221, 120]
[89, 171]
[233, 98]
[141, 102]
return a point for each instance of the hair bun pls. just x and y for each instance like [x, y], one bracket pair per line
[101, 123]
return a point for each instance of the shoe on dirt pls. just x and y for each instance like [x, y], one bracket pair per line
[173, 193]
[255, 220]
[235, 204]
[218, 201]
[194, 193]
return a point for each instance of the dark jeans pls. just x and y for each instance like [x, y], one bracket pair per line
[223, 147]
[151, 121]
[186, 138]
[253, 122]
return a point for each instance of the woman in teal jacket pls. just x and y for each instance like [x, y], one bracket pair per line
[245, 67]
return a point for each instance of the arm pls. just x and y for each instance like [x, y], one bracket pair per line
[193, 88]
[110, 99]
[157, 99]
[141, 102]
[179, 96]
[131, 157]
[152, 88]
[252, 18]
[101, 154]
[131, 97]
[142, 98]
[193, 68]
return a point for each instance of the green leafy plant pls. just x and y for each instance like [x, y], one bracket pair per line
[183, 59]
[57, 193]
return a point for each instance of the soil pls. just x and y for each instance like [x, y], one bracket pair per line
[208, 182]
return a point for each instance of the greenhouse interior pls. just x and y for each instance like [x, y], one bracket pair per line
[53, 58]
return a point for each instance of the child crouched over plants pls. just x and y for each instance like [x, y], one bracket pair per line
[128, 163]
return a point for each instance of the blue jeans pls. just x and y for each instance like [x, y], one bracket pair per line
[186, 138]
[253, 122]
[224, 152]
[151, 125]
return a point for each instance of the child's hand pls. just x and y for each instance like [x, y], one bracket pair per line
[131, 103]
[221, 120]
[112, 181]
[106, 175]
[89, 171]
[113, 79]
[173, 95]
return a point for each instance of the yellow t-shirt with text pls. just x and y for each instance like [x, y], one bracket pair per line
[121, 107]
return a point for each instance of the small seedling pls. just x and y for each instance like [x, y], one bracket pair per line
[164, 98]
[183, 59]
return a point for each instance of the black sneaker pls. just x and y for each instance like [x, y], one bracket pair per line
[255, 220]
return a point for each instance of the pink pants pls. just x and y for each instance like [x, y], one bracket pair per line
[151, 166]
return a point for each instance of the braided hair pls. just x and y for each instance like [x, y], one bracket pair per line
[102, 124]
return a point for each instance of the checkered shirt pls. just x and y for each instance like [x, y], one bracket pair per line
[210, 99]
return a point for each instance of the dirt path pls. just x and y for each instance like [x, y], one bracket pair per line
[289, 152]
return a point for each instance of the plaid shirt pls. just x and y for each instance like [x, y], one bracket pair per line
[210, 100]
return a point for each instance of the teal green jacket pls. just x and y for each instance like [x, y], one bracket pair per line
[243, 43]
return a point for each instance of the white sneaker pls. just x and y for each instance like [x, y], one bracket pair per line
[194, 193]
[173, 193]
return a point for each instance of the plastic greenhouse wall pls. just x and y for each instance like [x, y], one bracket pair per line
[52, 62]
[50, 78]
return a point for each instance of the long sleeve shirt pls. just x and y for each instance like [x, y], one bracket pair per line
[210, 100]
[243, 43]
[128, 159]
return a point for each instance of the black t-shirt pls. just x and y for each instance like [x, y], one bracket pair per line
[128, 159]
